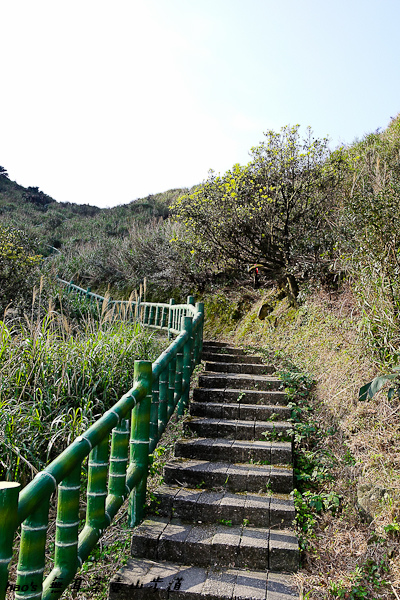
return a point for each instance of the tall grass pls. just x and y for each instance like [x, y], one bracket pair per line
[57, 376]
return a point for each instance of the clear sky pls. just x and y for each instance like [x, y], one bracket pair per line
[102, 102]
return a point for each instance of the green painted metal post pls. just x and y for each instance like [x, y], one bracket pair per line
[9, 492]
[164, 318]
[31, 561]
[67, 524]
[97, 486]
[137, 309]
[171, 387]
[163, 402]
[140, 432]
[152, 315]
[154, 415]
[178, 383]
[119, 460]
[170, 317]
[187, 325]
[199, 336]
[190, 300]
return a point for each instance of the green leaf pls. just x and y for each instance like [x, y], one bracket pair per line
[363, 392]
[370, 389]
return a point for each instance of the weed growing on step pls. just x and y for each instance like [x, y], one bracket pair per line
[274, 417]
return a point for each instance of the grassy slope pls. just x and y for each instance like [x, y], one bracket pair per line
[322, 337]
[58, 223]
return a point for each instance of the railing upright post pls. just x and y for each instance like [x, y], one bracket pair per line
[31, 562]
[9, 492]
[163, 402]
[97, 485]
[119, 460]
[187, 325]
[154, 415]
[199, 334]
[164, 317]
[190, 300]
[171, 387]
[140, 433]
[170, 317]
[178, 382]
[67, 525]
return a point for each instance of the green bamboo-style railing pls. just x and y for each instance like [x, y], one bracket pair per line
[118, 447]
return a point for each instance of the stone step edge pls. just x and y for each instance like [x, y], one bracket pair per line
[221, 393]
[232, 358]
[241, 429]
[235, 451]
[179, 581]
[202, 505]
[239, 381]
[241, 405]
[225, 421]
[231, 368]
[234, 477]
[208, 544]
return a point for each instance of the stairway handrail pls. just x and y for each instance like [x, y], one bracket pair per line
[136, 423]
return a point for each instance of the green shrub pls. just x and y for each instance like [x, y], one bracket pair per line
[18, 268]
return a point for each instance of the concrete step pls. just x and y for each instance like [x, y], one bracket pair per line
[259, 397]
[240, 381]
[147, 579]
[213, 544]
[232, 358]
[235, 477]
[238, 429]
[243, 368]
[197, 505]
[221, 348]
[247, 412]
[236, 451]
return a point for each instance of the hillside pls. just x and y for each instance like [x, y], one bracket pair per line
[347, 452]
[295, 254]
[56, 224]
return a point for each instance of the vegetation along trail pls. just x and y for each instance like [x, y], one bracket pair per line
[320, 228]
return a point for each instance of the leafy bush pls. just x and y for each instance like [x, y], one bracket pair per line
[18, 268]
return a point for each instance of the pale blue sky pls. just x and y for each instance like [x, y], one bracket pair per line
[104, 102]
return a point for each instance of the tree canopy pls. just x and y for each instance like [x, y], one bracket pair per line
[272, 212]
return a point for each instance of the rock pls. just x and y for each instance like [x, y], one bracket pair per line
[264, 311]
[369, 499]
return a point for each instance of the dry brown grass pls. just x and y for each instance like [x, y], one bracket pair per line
[322, 337]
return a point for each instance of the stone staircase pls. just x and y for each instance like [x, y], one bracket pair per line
[220, 523]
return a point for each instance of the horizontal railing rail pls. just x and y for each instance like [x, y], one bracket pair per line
[118, 447]
[157, 315]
